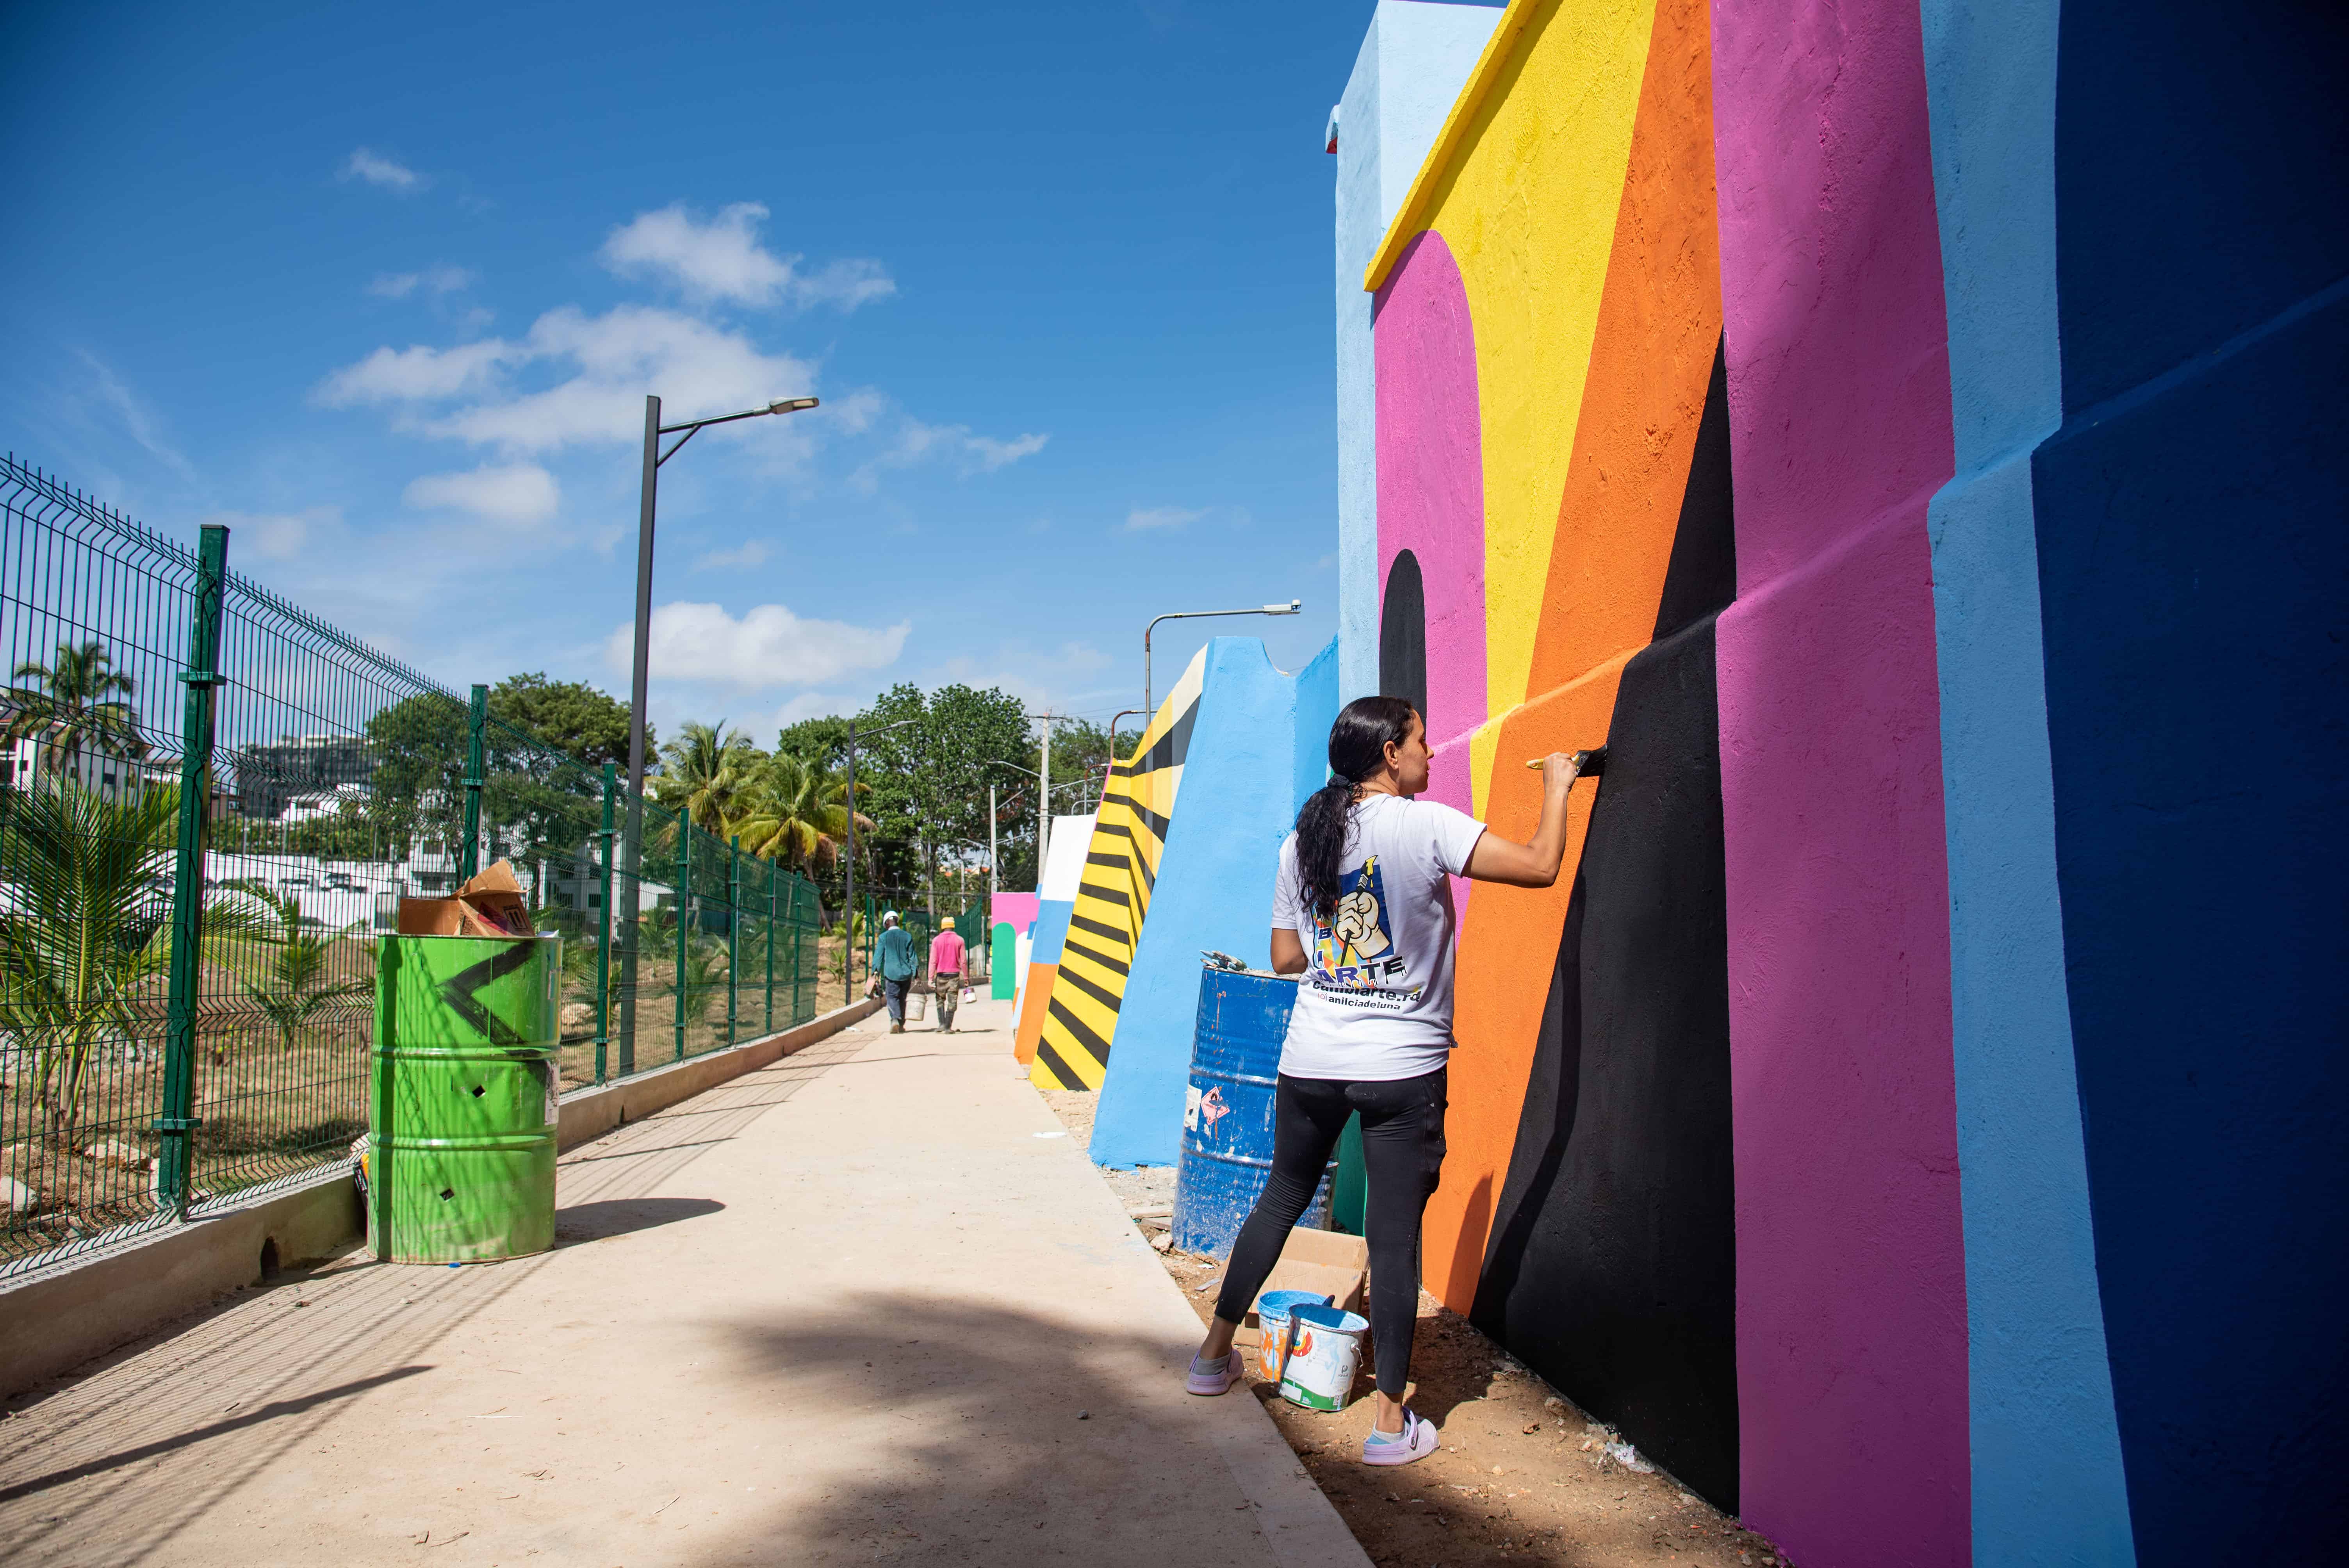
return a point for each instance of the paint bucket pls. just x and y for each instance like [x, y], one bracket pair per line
[1272, 1310]
[1325, 1346]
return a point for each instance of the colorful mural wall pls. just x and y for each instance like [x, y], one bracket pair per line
[1055, 899]
[1077, 1016]
[1866, 1122]
[1213, 887]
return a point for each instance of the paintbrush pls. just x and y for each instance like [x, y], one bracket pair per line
[1588, 764]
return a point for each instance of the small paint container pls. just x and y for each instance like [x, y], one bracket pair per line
[1272, 1310]
[1325, 1346]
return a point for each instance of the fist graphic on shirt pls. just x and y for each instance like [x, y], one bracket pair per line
[1357, 924]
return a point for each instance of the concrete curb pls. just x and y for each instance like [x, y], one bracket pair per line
[54, 1319]
[591, 1112]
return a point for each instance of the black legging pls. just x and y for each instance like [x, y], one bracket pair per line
[1402, 1151]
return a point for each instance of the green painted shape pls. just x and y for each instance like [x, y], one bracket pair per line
[461, 1111]
[1350, 1193]
[1003, 960]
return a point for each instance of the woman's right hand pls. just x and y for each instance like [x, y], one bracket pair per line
[1559, 770]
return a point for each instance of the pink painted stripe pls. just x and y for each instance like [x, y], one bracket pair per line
[1432, 475]
[1430, 461]
[1850, 1267]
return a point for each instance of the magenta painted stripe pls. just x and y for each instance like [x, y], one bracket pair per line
[1850, 1267]
[1430, 476]
[1432, 495]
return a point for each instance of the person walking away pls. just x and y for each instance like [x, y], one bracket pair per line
[946, 972]
[894, 955]
[1362, 910]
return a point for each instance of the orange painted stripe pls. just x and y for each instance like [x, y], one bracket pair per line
[1032, 1003]
[1651, 357]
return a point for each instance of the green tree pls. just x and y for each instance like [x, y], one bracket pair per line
[705, 773]
[86, 927]
[930, 779]
[290, 968]
[793, 812]
[82, 700]
[419, 744]
[571, 716]
[819, 742]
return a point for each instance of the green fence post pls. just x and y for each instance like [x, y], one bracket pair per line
[799, 924]
[603, 837]
[175, 1167]
[733, 929]
[770, 947]
[683, 899]
[469, 860]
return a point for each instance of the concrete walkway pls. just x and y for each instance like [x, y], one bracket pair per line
[864, 1306]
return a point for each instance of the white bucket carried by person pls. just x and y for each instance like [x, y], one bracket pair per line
[1325, 1346]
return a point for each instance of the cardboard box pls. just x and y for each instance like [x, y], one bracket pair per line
[1327, 1262]
[491, 904]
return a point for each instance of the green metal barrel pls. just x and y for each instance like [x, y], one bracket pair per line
[461, 1115]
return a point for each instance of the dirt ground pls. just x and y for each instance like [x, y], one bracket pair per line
[1523, 1477]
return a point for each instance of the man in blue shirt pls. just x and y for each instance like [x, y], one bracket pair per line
[892, 957]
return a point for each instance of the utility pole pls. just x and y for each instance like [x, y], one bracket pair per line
[994, 883]
[1044, 799]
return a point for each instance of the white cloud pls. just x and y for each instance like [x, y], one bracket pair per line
[274, 536]
[520, 493]
[723, 260]
[769, 647]
[431, 280]
[917, 442]
[416, 372]
[1143, 518]
[137, 421]
[993, 454]
[753, 553]
[378, 170]
[614, 359]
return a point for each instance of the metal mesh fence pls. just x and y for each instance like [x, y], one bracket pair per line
[210, 805]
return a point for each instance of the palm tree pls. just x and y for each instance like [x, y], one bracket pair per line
[86, 924]
[284, 966]
[82, 698]
[794, 811]
[703, 772]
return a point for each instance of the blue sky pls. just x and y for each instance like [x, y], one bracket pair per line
[384, 291]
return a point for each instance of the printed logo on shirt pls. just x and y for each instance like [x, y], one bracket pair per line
[1355, 959]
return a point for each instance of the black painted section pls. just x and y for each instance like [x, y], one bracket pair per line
[2194, 561]
[1403, 637]
[1701, 579]
[1612, 1267]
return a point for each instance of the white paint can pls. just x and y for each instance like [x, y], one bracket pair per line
[1325, 1347]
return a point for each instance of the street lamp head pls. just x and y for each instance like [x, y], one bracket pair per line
[790, 404]
[1292, 608]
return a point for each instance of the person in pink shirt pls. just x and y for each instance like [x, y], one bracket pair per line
[945, 971]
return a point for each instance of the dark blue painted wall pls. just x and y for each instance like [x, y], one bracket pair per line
[2194, 555]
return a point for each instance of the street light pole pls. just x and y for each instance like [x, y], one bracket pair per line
[1148, 708]
[639, 673]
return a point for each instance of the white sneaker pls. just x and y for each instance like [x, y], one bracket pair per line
[1234, 1371]
[1418, 1441]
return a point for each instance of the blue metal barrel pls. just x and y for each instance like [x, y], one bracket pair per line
[1227, 1111]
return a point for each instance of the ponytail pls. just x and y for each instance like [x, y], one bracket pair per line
[1358, 749]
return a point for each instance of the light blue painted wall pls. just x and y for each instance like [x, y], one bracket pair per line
[1316, 709]
[1413, 62]
[2048, 1486]
[1214, 889]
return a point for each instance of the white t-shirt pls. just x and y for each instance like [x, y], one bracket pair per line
[1375, 1000]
